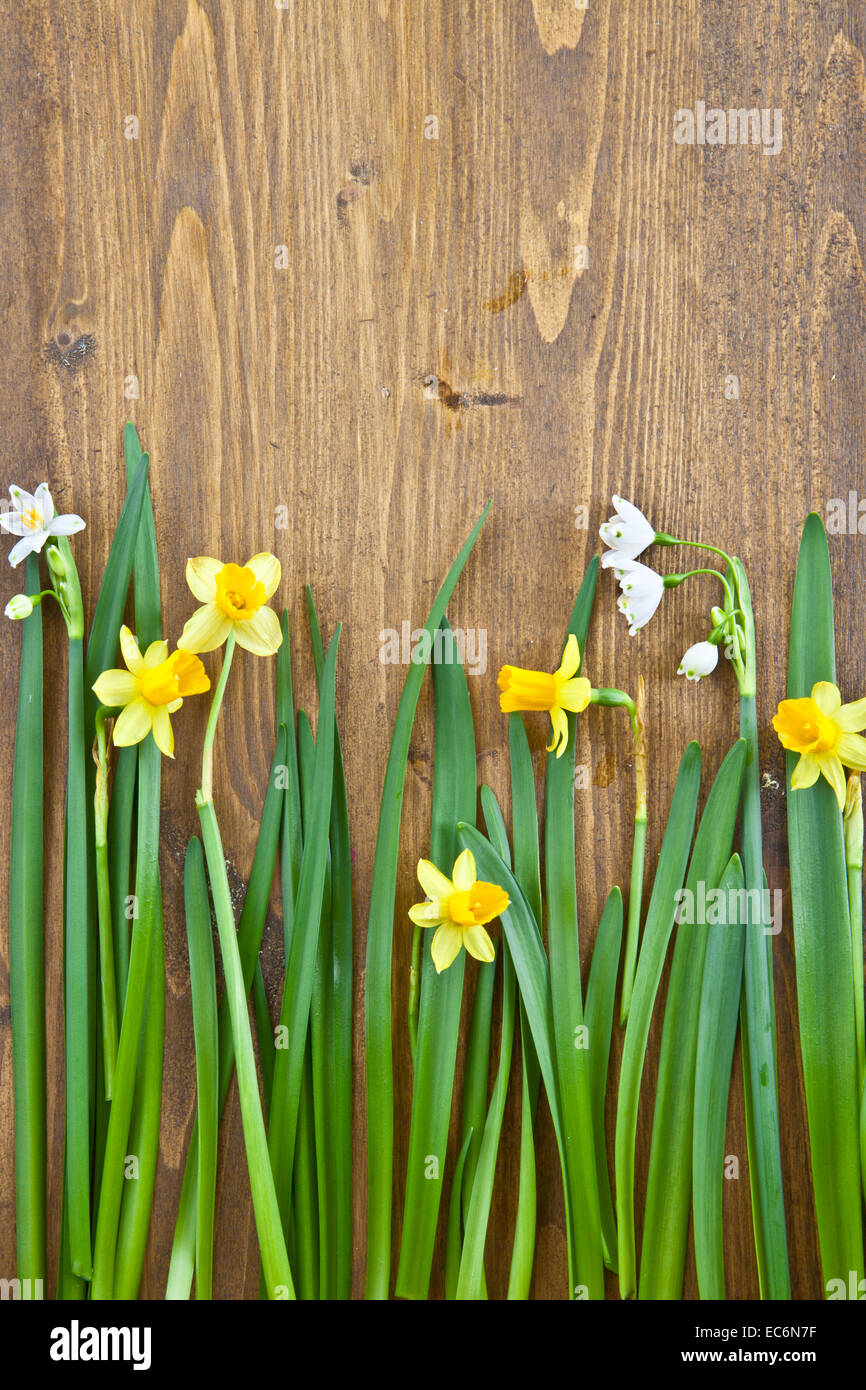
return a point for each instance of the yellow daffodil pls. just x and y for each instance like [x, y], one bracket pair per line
[235, 600]
[826, 735]
[459, 906]
[150, 690]
[536, 690]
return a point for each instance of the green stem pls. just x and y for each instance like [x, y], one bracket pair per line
[27, 957]
[414, 991]
[107, 982]
[635, 898]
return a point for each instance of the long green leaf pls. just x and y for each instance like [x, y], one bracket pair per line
[822, 940]
[454, 796]
[27, 955]
[669, 1180]
[380, 929]
[670, 873]
[572, 1058]
[300, 967]
[600, 995]
[717, 1032]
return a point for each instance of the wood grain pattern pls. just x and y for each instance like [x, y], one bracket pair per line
[329, 310]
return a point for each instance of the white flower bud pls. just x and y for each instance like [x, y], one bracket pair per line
[19, 606]
[699, 661]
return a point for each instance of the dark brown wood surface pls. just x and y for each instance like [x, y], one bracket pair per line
[338, 249]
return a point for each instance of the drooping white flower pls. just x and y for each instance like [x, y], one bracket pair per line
[641, 595]
[33, 518]
[699, 661]
[627, 533]
[19, 606]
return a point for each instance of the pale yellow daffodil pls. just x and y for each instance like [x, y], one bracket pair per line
[459, 907]
[826, 735]
[562, 691]
[235, 600]
[151, 689]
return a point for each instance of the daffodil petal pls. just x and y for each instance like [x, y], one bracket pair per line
[133, 724]
[260, 635]
[130, 651]
[207, 629]
[851, 749]
[426, 914]
[574, 694]
[851, 718]
[156, 653]
[201, 572]
[174, 706]
[831, 768]
[446, 946]
[163, 733]
[116, 688]
[464, 873]
[570, 658]
[478, 944]
[267, 570]
[826, 697]
[806, 773]
[434, 883]
[559, 720]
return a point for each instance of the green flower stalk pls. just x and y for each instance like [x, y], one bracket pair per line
[852, 822]
[107, 981]
[27, 958]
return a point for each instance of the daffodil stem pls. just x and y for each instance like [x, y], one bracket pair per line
[213, 719]
[613, 698]
[27, 955]
[414, 990]
[107, 981]
[855, 905]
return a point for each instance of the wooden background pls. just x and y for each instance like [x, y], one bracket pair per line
[423, 342]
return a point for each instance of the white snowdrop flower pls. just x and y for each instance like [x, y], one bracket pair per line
[627, 533]
[641, 595]
[33, 519]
